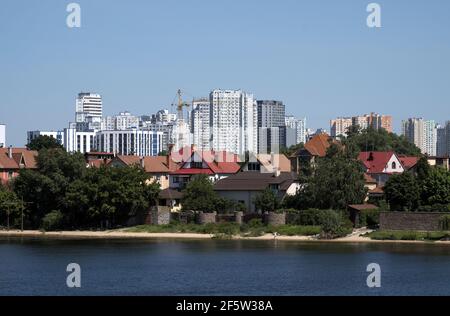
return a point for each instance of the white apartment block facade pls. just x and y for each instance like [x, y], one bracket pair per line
[234, 121]
[130, 142]
[88, 105]
[76, 141]
[2, 135]
[200, 124]
[422, 133]
[299, 126]
[58, 135]
[120, 122]
[339, 127]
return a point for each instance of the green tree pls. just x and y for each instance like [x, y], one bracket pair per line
[199, 195]
[337, 180]
[291, 150]
[44, 142]
[109, 196]
[10, 206]
[403, 192]
[436, 187]
[380, 140]
[267, 201]
[44, 189]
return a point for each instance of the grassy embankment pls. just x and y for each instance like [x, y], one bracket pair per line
[409, 235]
[228, 229]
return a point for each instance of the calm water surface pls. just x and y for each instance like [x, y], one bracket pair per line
[215, 267]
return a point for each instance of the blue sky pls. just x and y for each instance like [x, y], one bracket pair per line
[319, 57]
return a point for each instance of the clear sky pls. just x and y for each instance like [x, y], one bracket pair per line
[319, 57]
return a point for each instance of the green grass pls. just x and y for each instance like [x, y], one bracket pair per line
[228, 229]
[408, 235]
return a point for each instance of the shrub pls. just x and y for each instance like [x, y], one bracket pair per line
[369, 218]
[310, 217]
[52, 221]
[444, 222]
[334, 225]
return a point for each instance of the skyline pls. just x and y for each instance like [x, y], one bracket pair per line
[318, 57]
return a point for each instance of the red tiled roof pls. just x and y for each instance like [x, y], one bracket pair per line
[318, 145]
[192, 171]
[375, 161]
[220, 162]
[28, 157]
[97, 163]
[157, 164]
[408, 162]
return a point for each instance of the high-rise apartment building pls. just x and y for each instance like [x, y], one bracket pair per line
[271, 113]
[2, 135]
[88, 111]
[58, 135]
[120, 122]
[339, 127]
[271, 126]
[130, 142]
[200, 124]
[78, 141]
[422, 133]
[441, 146]
[234, 121]
[300, 131]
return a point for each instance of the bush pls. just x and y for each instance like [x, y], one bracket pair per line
[52, 221]
[311, 217]
[334, 224]
[409, 235]
[444, 222]
[369, 218]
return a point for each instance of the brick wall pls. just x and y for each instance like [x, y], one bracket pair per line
[410, 221]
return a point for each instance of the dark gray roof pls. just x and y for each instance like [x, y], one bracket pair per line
[255, 181]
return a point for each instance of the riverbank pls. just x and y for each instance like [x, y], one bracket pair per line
[355, 237]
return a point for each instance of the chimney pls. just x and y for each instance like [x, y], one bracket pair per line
[10, 152]
[169, 156]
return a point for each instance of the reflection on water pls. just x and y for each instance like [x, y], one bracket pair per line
[220, 267]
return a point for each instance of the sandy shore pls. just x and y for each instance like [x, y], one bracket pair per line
[119, 234]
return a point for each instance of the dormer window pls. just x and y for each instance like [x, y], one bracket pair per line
[394, 165]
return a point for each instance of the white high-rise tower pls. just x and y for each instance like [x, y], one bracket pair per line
[234, 121]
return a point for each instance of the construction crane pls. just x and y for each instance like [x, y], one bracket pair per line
[181, 105]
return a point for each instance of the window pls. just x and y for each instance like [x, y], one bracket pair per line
[394, 165]
[197, 164]
[10, 175]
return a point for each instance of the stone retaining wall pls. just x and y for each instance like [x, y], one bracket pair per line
[410, 221]
[275, 219]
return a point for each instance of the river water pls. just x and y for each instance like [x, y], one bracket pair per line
[220, 267]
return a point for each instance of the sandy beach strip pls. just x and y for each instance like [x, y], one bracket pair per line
[120, 234]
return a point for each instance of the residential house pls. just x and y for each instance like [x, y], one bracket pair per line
[12, 160]
[157, 167]
[267, 163]
[216, 165]
[316, 147]
[244, 187]
[381, 165]
[442, 162]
